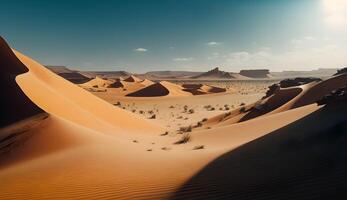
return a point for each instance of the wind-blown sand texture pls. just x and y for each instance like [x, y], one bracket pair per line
[70, 144]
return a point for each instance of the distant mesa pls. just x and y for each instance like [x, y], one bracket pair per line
[256, 73]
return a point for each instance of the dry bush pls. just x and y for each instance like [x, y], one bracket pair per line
[184, 139]
[243, 109]
[199, 147]
[166, 133]
[153, 116]
[185, 129]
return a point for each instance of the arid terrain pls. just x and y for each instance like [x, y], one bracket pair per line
[212, 135]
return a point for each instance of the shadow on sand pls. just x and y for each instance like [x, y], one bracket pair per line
[306, 159]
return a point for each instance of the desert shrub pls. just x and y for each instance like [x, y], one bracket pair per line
[243, 109]
[184, 139]
[199, 147]
[166, 133]
[185, 129]
[191, 111]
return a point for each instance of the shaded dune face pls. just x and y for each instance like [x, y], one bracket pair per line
[154, 90]
[117, 84]
[200, 89]
[280, 98]
[321, 89]
[303, 160]
[15, 105]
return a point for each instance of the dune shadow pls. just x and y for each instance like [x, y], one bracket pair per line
[306, 159]
[14, 104]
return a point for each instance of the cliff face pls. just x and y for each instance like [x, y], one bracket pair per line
[256, 73]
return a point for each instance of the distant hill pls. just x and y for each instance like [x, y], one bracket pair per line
[218, 74]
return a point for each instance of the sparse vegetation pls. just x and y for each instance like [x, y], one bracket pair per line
[199, 147]
[243, 109]
[153, 116]
[184, 139]
[185, 108]
[185, 129]
[166, 133]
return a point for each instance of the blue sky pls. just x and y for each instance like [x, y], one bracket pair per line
[144, 35]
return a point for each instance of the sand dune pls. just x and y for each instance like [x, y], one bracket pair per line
[282, 100]
[70, 144]
[15, 105]
[163, 88]
[97, 82]
[52, 94]
[132, 78]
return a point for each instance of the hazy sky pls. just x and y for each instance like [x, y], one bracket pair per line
[143, 35]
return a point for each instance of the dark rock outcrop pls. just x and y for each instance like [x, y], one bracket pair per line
[336, 96]
[341, 71]
[297, 81]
